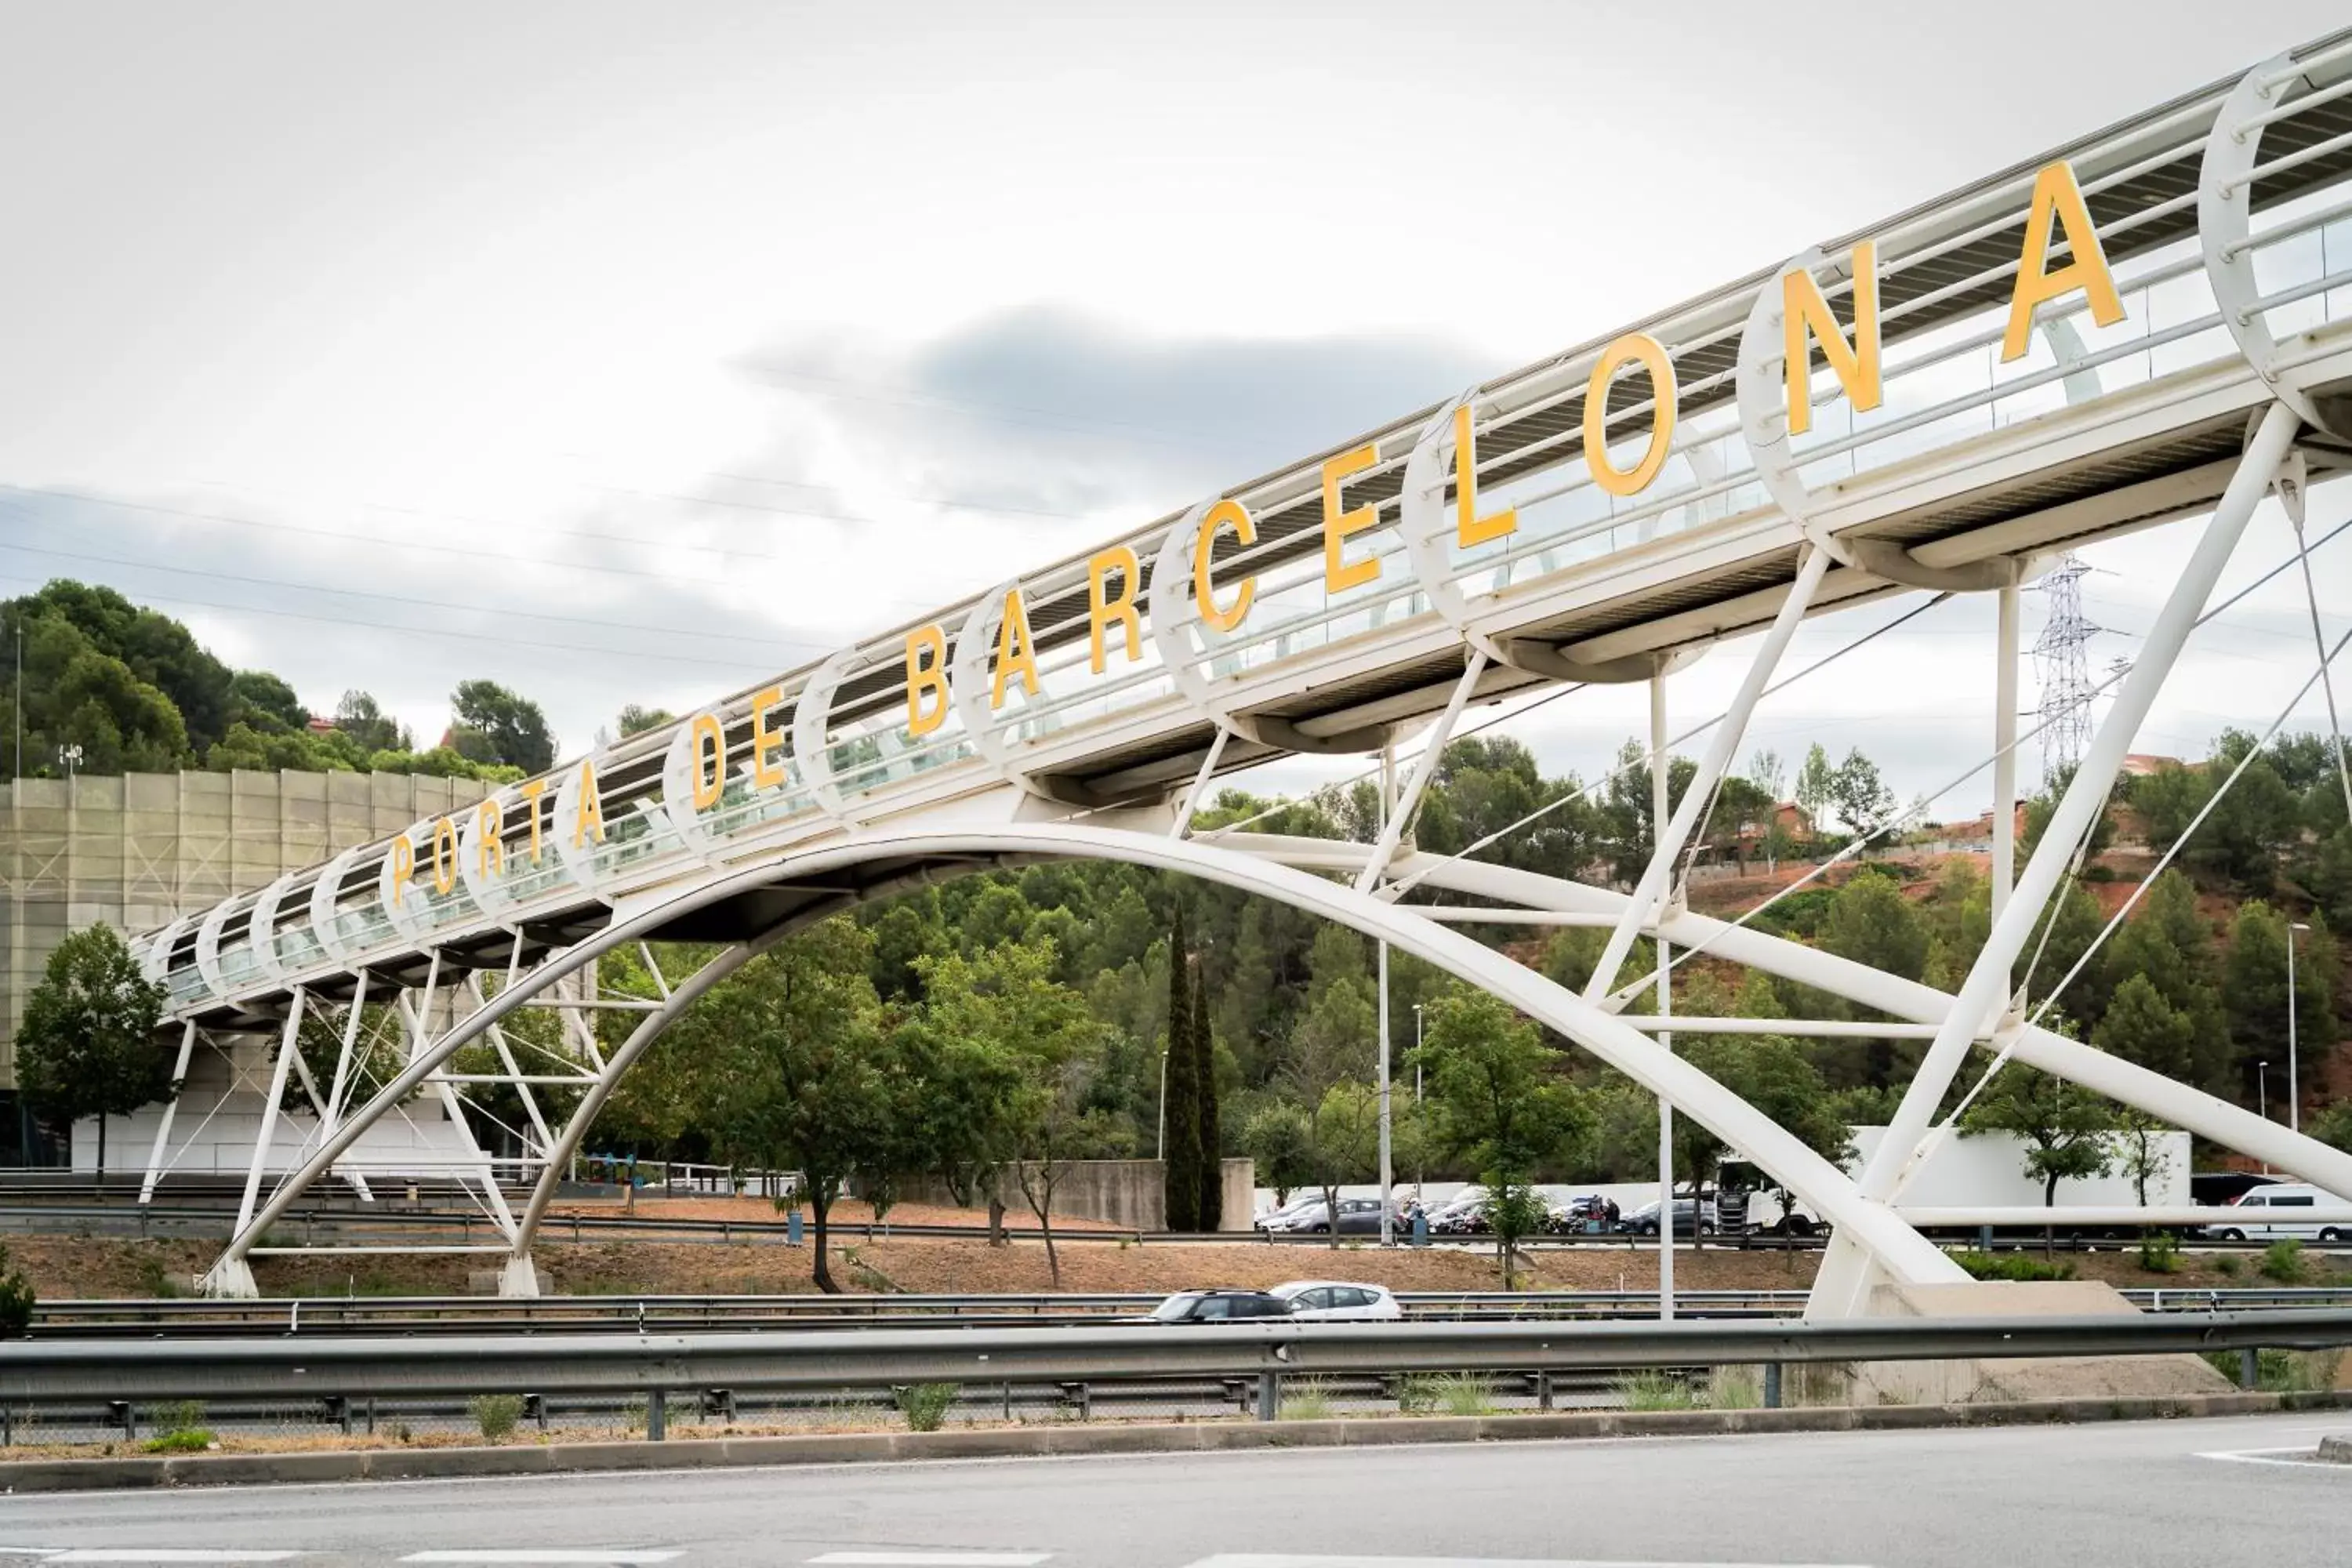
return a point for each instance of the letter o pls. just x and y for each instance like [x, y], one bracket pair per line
[445, 857]
[1646, 350]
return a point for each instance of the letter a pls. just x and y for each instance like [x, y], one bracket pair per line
[2058, 202]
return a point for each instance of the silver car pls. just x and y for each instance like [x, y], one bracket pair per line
[1337, 1301]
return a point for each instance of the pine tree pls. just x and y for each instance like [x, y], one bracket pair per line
[1181, 1099]
[1211, 1173]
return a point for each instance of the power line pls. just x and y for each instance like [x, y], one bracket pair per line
[847, 391]
[736, 665]
[423, 604]
[409, 547]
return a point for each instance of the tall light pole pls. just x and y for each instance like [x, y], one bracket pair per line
[1421, 1181]
[2293, 1087]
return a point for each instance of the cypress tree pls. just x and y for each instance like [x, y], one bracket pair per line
[1180, 1107]
[1212, 1202]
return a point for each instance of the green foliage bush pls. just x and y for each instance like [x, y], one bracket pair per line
[1465, 1394]
[1416, 1394]
[2015, 1265]
[1657, 1390]
[2159, 1252]
[17, 1300]
[924, 1405]
[179, 1428]
[1306, 1399]
[495, 1415]
[2284, 1261]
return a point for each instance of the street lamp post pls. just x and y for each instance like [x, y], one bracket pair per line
[1421, 1180]
[2294, 1084]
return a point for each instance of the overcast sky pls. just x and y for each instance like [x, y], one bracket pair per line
[632, 352]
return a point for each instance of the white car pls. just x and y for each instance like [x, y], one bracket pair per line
[2271, 1217]
[1336, 1301]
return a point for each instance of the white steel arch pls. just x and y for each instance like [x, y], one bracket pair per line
[1893, 1245]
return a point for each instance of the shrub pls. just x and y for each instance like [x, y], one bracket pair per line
[17, 1300]
[924, 1405]
[178, 1416]
[2159, 1252]
[1307, 1400]
[495, 1415]
[2283, 1372]
[180, 1428]
[2226, 1266]
[2016, 1266]
[1735, 1388]
[1465, 1394]
[2285, 1262]
[1416, 1394]
[1655, 1391]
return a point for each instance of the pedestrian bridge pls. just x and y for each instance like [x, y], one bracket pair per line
[2147, 324]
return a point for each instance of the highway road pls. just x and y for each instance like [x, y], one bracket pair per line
[2217, 1494]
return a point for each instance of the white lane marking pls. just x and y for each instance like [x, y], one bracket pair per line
[583, 1554]
[935, 1558]
[1258, 1560]
[166, 1554]
[2294, 1458]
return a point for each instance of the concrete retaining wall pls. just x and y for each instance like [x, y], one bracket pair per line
[1122, 1191]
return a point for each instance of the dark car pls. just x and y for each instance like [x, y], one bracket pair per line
[1693, 1216]
[1219, 1307]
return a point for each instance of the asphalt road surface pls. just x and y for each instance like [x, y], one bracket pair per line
[2211, 1493]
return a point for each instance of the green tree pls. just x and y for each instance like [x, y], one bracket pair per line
[2063, 1128]
[86, 1046]
[359, 716]
[1860, 798]
[492, 724]
[260, 697]
[1209, 1204]
[2333, 1126]
[791, 1065]
[2039, 809]
[1498, 1097]
[1816, 786]
[635, 720]
[2141, 1027]
[1278, 1138]
[1180, 1108]
[2254, 990]
[1053, 1116]
[2168, 944]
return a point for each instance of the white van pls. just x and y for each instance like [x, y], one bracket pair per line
[2271, 1215]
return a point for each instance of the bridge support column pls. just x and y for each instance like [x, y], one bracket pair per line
[1847, 1278]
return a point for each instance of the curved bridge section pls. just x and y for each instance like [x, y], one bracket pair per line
[2143, 326]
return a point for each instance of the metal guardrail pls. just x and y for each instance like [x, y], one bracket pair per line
[36, 1373]
[448, 1315]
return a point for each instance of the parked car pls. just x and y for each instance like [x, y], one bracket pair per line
[1219, 1307]
[1693, 1216]
[1465, 1215]
[2271, 1215]
[1358, 1216]
[1280, 1217]
[1331, 1300]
